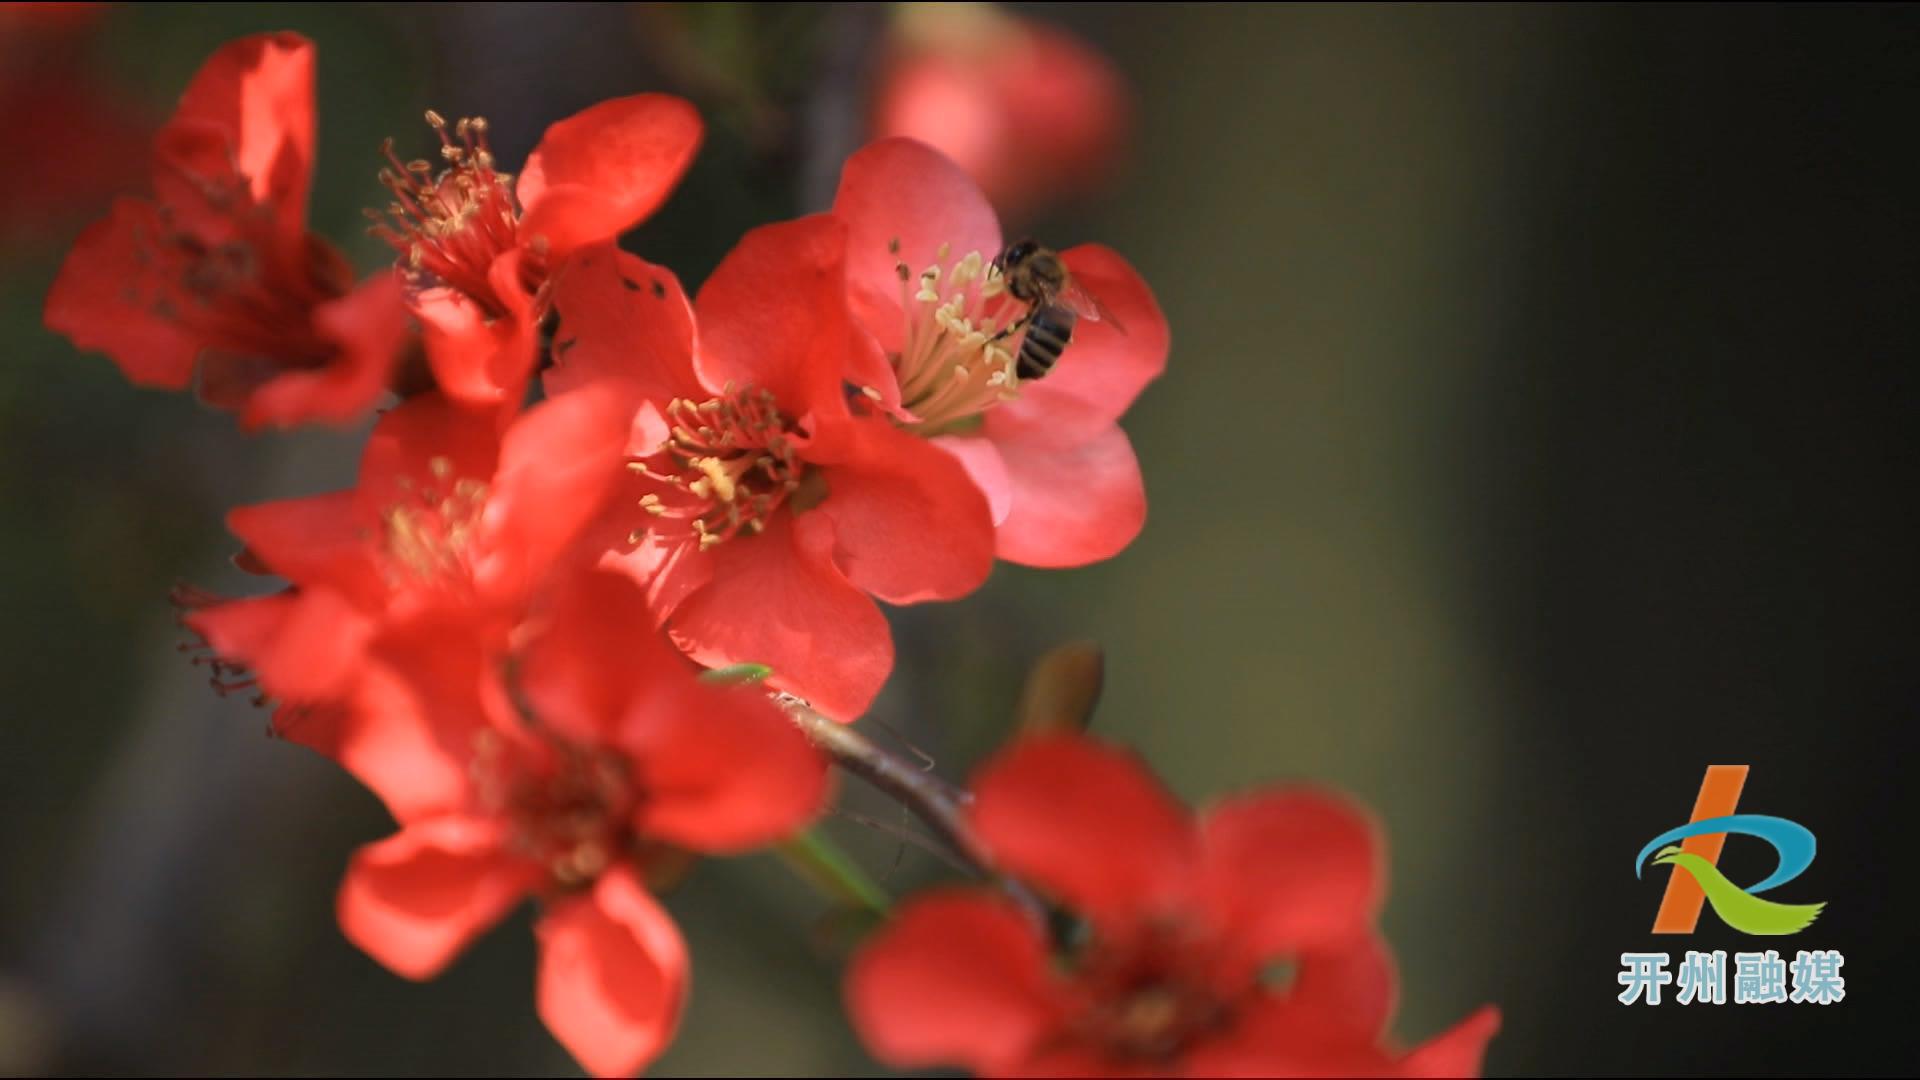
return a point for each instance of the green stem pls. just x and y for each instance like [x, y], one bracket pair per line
[821, 862]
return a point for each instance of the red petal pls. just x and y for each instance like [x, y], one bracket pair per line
[369, 327]
[774, 317]
[425, 442]
[558, 463]
[957, 978]
[605, 169]
[1273, 1036]
[1292, 870]
[905, 191]
[671, 571]
[870, 372]
[1030, 111]
[305, 646]
[104, 297]
[985, 466]
[518, 332]
[1071, 500]
[477, 358]
[909, 523]
[1086, 822]
[243, 629]
[460, 345]
[258, 92]
[415, 899]
[416, 716]
[1105, 368]
[597, 654]
[320, 540]
[613, 975]
[205, 196]
[1350, 988]
[724, 769]
[623, 319]
[777, 599]
[950, 106]
[395, 742]
[1459, 1052]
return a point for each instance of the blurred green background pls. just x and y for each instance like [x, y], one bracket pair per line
[1535, 434]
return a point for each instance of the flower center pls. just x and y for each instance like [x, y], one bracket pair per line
[957, 356]
[1156, 1022]
[727, 465]
[567, 806]
[222, 270]
[1151, 998]
[427, 537]
[450, 225]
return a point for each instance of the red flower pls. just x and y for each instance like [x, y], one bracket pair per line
[219, 273]
[1186, 917]
[78, 127]
[1058, 472]
[481, 248]
[620, 757]
[1027, 109]
[767, 515]
[451, 519]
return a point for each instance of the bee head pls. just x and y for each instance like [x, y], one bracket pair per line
[1014, 254]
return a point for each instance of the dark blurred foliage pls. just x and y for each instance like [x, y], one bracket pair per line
[1536, 433]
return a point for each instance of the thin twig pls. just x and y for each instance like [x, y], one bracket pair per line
[939, 805]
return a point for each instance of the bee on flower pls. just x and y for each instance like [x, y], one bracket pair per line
[501, 628]
[764, 512]
[928, 276]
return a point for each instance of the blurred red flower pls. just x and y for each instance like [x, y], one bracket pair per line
[218, 272]
[1059, 473]
[53, 101]
[1185, 919]
[1027, 109]
[765, 514]
[452, 518]
[480, 246]
[620, 756]
[519, 713]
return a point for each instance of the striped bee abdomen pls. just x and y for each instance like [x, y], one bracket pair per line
[1049, 332]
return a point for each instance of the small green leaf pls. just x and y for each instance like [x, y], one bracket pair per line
[820, 861]
[737, 674]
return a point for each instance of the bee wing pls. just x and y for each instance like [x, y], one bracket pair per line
[1087, 306]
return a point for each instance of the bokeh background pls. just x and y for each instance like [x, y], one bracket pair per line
[1537, 432]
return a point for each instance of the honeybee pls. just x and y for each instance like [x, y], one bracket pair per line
[1038, 277]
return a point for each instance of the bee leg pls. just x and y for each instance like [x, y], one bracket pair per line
[1013, 327]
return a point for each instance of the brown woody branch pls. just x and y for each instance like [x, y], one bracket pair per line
[939, 805]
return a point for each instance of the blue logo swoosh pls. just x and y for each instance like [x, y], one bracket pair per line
[1792, 841]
